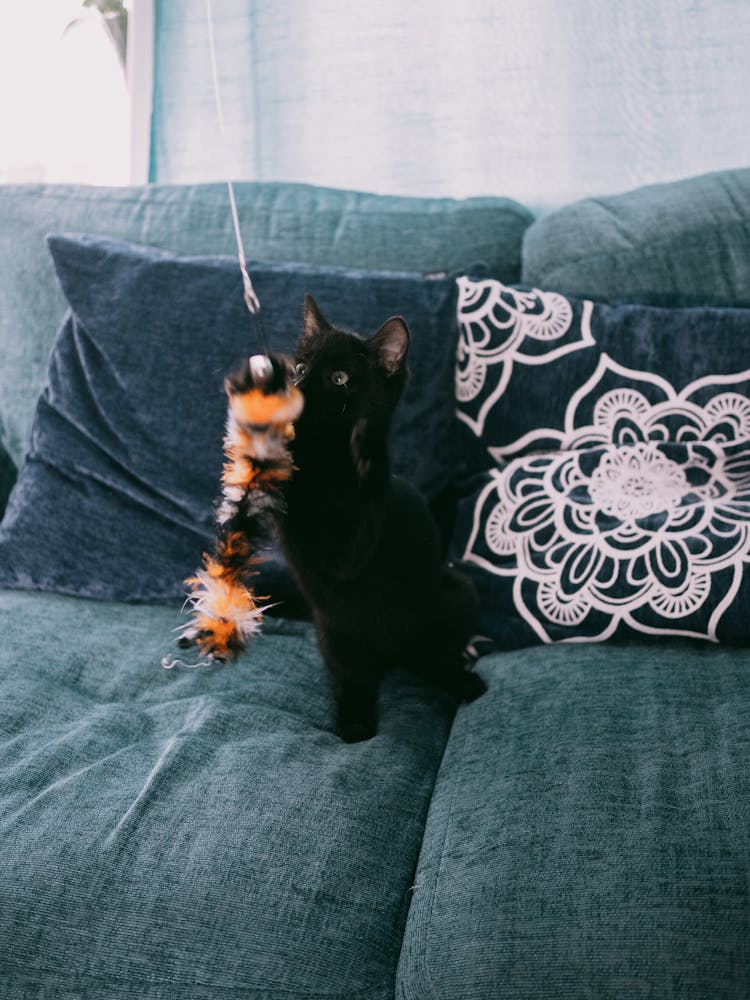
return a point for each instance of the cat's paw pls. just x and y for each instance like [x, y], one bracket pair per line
[464, 685]
[354, 730]
[354, 727]
[469, 687]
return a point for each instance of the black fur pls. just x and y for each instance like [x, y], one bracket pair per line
[362, 543]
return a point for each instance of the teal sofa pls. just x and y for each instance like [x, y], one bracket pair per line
[582, 830]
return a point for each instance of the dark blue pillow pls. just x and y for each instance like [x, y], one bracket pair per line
[607, 466]
[115, 498]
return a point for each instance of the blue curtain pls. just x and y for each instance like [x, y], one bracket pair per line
[541, 100]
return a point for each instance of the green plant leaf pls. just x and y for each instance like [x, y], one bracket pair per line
[107, 6]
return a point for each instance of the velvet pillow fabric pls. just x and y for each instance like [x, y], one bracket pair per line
[115, 498]
[608, 466]
[280, 222]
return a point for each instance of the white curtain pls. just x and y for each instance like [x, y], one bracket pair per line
[541, 100]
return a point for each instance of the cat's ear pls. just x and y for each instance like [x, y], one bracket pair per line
[391, 344]
[314, 320]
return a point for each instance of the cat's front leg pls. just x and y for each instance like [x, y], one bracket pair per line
[355, 689]
[356, 705]
[368, 452]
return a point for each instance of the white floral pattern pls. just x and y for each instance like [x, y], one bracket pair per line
[501, 326]
[640, 515]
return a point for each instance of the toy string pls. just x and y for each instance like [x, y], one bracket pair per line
[251, 299]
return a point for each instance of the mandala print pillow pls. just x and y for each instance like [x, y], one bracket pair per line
[608, 467]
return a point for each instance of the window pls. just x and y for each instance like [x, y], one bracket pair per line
[64, 114]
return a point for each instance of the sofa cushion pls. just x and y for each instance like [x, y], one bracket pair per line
[195, 835]
[115, 499]
[609, 455]
[686, 238]
[588, 835]
[280, 222]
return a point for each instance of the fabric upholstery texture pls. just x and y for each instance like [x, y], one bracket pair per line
[280, 222]
[608, 466]
[193, 835]
[588, 834]
[115, 499]
[203, 835]
[686, 238]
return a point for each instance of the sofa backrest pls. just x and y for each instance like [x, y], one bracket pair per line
[280, 222]
[689, 239]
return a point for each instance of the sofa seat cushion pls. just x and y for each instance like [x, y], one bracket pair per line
[197, 833]
[589, 835]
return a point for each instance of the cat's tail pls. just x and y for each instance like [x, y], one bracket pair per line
[263, 404]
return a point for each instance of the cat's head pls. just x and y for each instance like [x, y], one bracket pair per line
[345, 377]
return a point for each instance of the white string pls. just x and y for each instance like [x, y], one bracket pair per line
[171, 664]
[251, 299]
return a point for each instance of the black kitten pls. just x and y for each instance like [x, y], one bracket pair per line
[361, 542]
[310, 454]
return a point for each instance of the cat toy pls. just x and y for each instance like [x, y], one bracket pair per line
[263, 404]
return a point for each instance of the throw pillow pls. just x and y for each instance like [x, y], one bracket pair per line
[607, 466]
[115, 498]
[280, 222]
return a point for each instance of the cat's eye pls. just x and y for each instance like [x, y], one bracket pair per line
[300, 369]
[339, 378]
